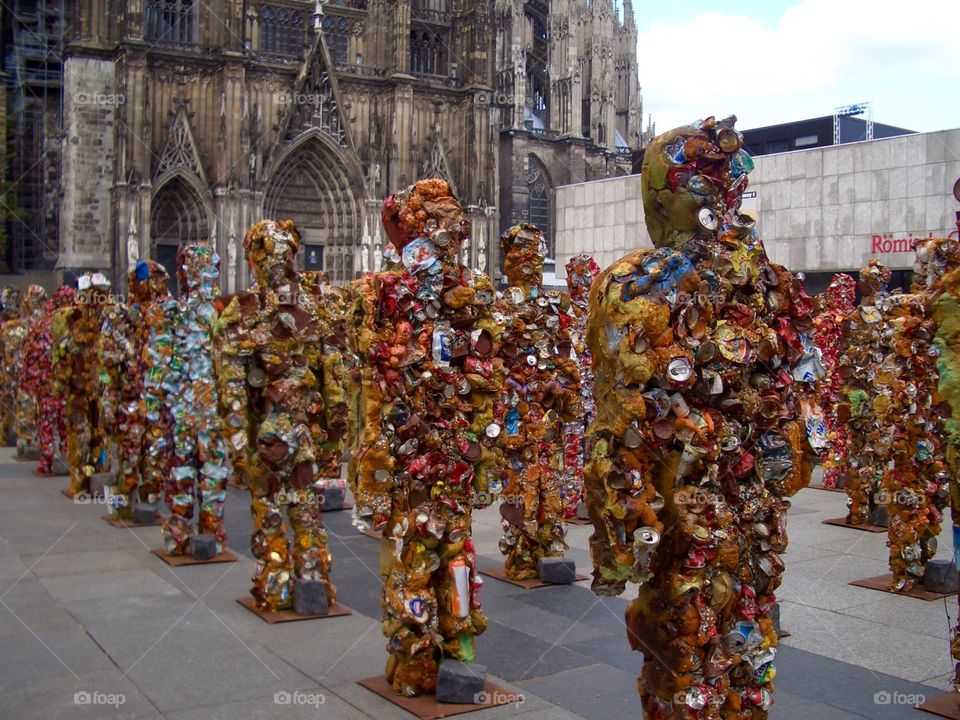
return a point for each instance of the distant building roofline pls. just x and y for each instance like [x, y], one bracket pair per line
[823, 117]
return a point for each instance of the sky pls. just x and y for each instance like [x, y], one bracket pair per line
[774, 61]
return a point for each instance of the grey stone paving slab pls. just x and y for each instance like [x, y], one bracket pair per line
[110, 584]
[291, 704]
[822, 583]
[56, 697]
[597, 692]
[32, 655]
[548, 626]
[377, 707]
[789, 706]
[88, 561]
[198, 662]
[12, 565]
[581, 605]
[514, 655]
[41, 616]
[331, 650]
[934, 618]
[844, 686]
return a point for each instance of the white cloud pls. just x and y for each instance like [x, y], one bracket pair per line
[904, 57]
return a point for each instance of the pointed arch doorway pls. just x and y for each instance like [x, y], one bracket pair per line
[178, 216]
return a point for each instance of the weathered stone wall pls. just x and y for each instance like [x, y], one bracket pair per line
[818, 210]
[89, 105]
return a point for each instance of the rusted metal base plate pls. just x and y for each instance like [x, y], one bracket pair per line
[282, 616]
[820, 486]
[577, 521]
[181, 560]
[842, 522]
[66, 493]
[427, 707]
[345, 506]
[117, 522]
[882, 582]
[375, 534]
[944, 705]
[53, 474]
[500, 574]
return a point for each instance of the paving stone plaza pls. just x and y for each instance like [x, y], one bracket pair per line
[95, 626]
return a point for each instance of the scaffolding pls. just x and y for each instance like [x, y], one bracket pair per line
[863, 108]
[33, 38]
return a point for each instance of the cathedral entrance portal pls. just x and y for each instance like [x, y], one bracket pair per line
[312, 187]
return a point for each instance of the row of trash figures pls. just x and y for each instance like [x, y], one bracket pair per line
[676, 399]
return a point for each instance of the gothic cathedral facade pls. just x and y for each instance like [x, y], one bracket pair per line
[185, 120]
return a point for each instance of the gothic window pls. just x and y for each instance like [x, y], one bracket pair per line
[539, 209]
[336, 31]
[281, 31]
[428, 53]
[172, 22]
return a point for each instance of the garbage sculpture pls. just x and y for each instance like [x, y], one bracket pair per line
[867, 369]
[36, 379]
[541, 395]
[697, 443]
[76, 331]
[839, 300]
[430, 379]
[121, 347]
[581, 270]
[13, 335]
[186, 446]
[269, 379]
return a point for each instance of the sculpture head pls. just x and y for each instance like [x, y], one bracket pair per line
[9, 301]
[874, 279]
[581, 270]
[271, 249]
[64, 296]
[692, 182]
[93, 290]
[148, 282]
[841, 294]
[524, 248]
[198, 268]
[425, 218]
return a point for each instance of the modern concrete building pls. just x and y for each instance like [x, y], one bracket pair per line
[819, 211]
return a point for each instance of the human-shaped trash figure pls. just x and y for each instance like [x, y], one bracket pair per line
[697, 443]
[332, 305]
[838, 302]
[868, 368]
[272, 401]
[13, 336]
[430, 378]
[181, 396]
[581, 270]
[76, 331]
[36, 379]
[9, 310]
[916, 484]
[121, 348]
[541, 395]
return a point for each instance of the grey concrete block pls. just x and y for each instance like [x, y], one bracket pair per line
[203, 547]
[775, 617]
[98, 482]
[458, 682]
[60, 466]
[558, 571]
[582, 513]
[333, 498]
[880, 516]
[940, 576]
[144, 513]
[310, 597]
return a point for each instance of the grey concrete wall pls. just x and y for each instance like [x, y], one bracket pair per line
[89, 111]
[818, 210]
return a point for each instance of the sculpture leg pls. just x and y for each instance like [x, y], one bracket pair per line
[523, 492]
[212, 452]
[130, 443]
[79, 445]
[273, 576]
[48, 432]
[26, 424]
